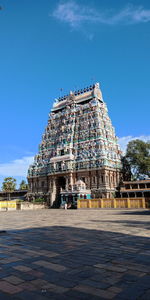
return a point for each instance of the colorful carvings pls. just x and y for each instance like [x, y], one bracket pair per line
[79, 135]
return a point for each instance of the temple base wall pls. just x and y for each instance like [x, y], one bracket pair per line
[102, 183]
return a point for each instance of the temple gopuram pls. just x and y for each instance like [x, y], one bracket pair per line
[79, 156]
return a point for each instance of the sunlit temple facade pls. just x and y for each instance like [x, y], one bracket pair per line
[78, 146]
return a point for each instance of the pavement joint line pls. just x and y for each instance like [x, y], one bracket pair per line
[92, 253]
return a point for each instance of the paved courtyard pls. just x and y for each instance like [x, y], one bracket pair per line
[75, 254]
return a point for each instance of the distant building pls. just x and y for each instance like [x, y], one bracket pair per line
[79, 143]
[16, 194]
[138, 188]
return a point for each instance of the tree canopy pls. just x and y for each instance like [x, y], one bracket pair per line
[9, 184]
[126, 169]
[23, 185]
[138, 159]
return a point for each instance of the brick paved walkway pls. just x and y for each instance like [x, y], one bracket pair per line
[75, 254]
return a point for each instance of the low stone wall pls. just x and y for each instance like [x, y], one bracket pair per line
[112, 203]
[30, 205]
[8, 205]
[17, 205]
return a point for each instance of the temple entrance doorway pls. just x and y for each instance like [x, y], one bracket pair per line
[60, 185]
[61, 182]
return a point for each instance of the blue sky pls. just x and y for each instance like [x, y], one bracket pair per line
[48, 45]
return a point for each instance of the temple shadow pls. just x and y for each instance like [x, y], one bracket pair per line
[138, 224]
[137, 212]
[71, 258]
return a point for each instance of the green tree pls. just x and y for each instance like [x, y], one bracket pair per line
[23, 185]
[126, 169]
[9, 184]
[138, 158]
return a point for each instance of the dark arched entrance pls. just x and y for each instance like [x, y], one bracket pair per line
[60, 185]
[61, 182]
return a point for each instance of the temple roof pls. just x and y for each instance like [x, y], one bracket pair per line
[78, 96]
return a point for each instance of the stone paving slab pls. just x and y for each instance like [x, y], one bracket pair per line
[75, 254]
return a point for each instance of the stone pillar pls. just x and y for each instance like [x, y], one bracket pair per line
[118, 178]
[114, 179]
[53, 193]
[90, 183]
[110, 179]
[97, 179]
[104, 177]
[71, 179]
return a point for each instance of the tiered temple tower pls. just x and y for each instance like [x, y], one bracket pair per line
[79, 143]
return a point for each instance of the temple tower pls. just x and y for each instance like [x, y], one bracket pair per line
[79, 143]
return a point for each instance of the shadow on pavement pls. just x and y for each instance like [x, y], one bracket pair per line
[137, 212]
[73, 263]
[129, 223]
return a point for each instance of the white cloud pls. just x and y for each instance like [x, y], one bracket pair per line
[123, 141]
[76, 15]
[17, 167]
